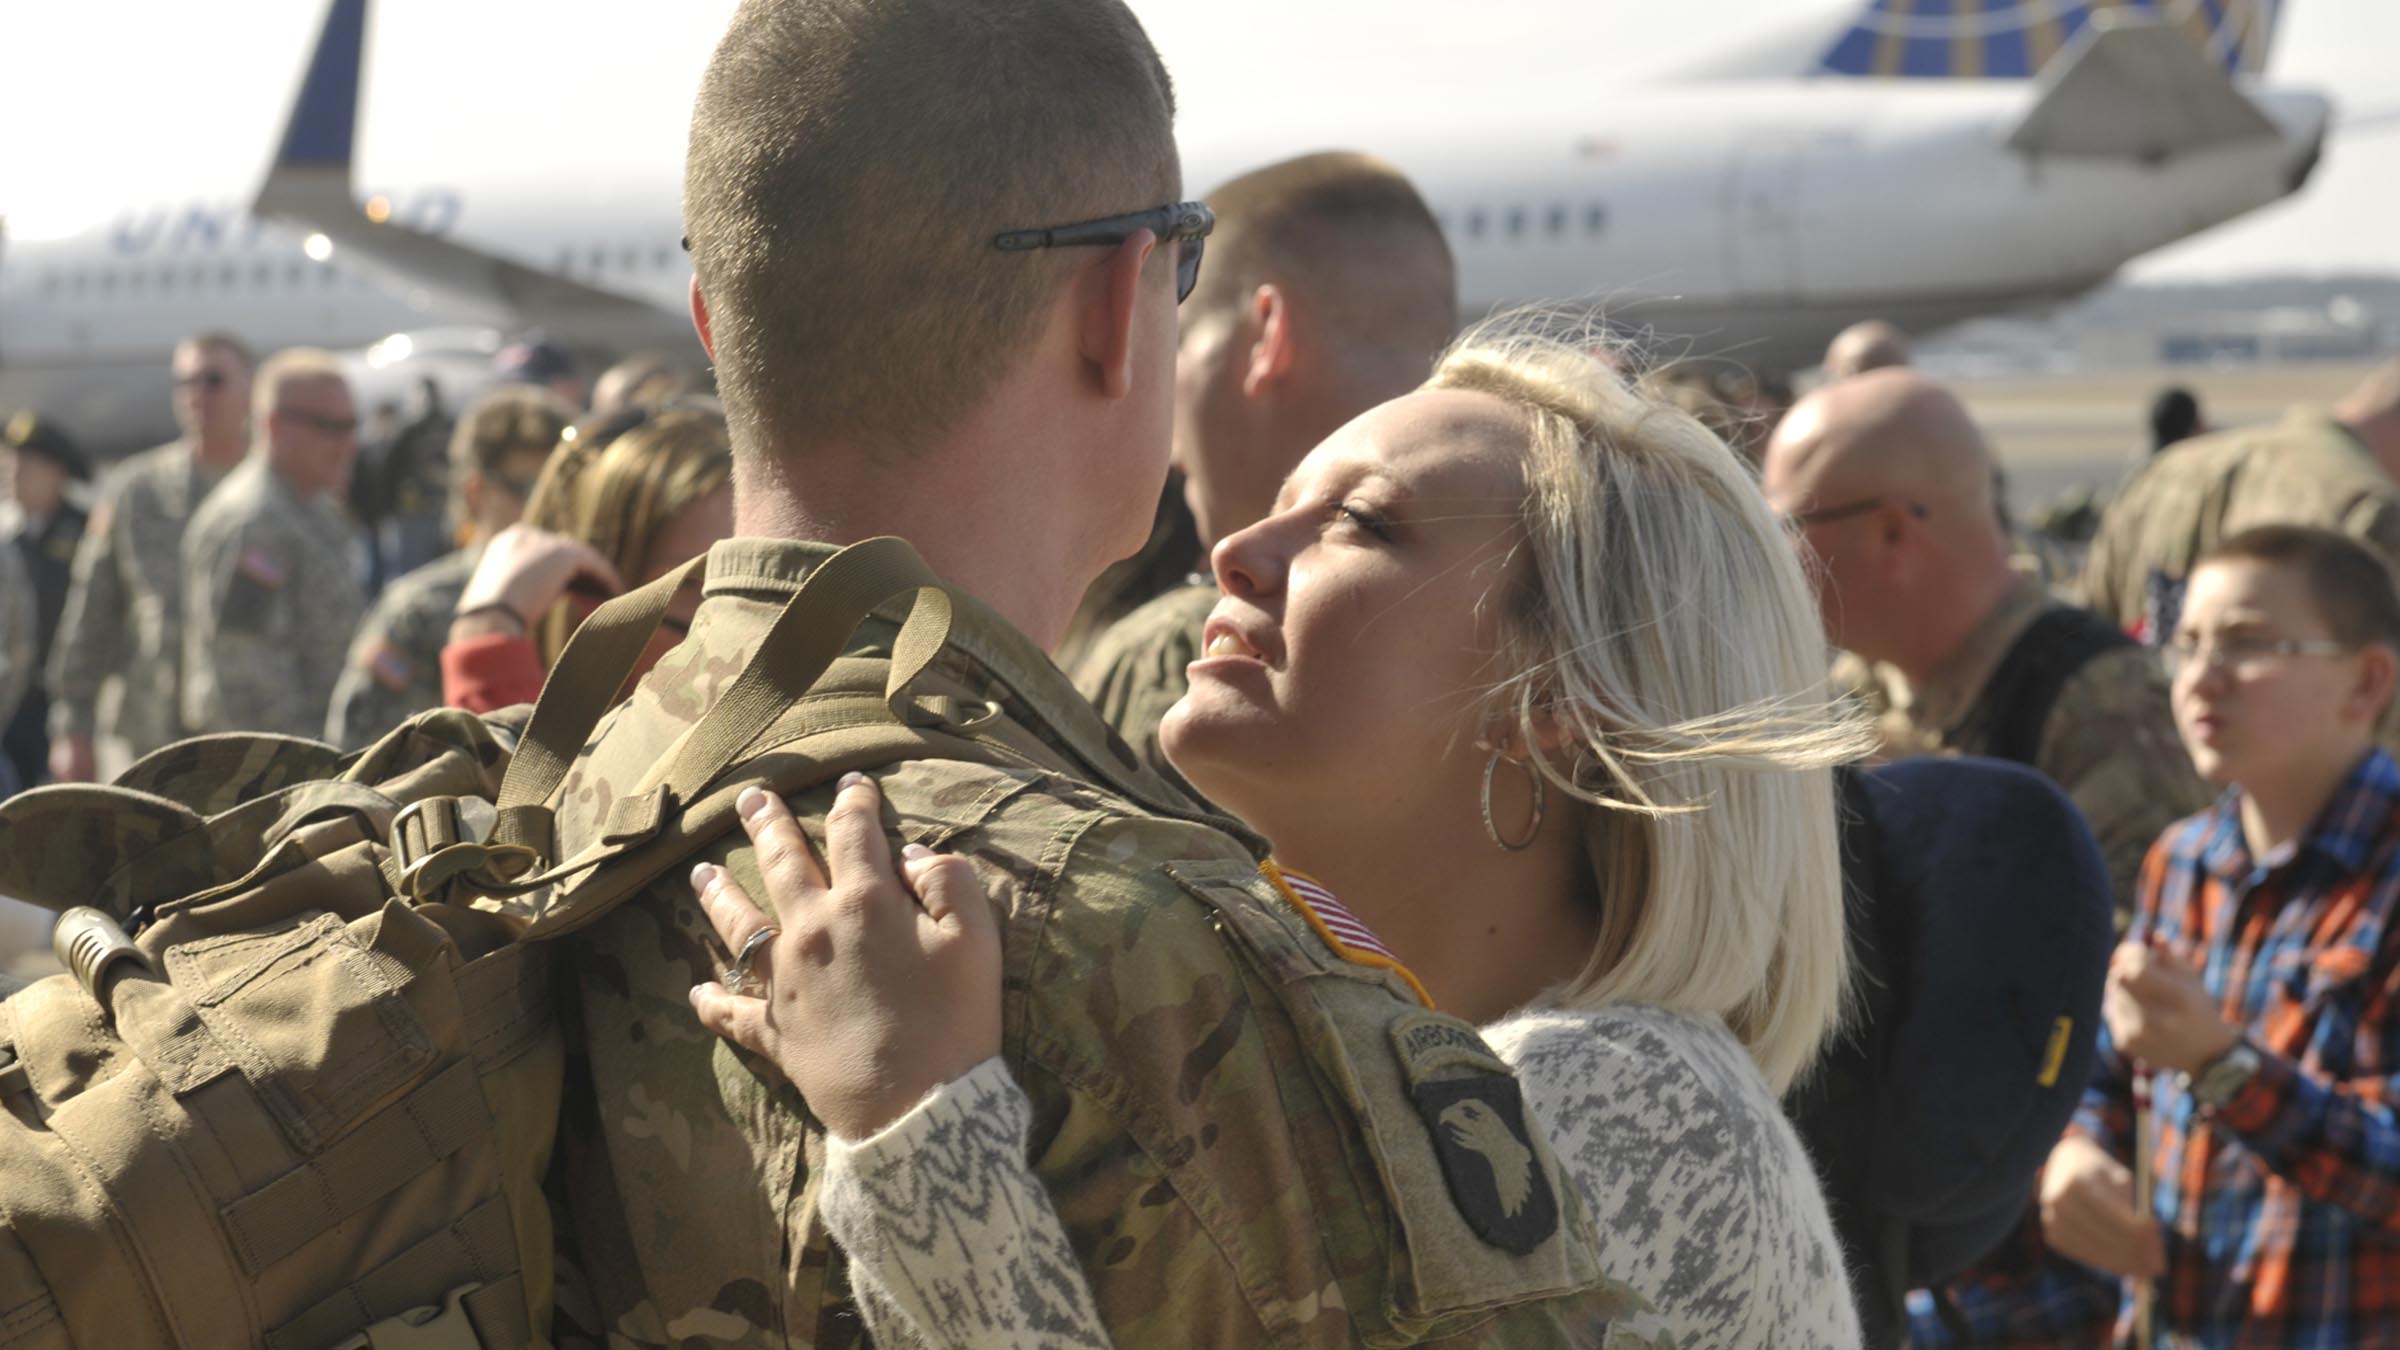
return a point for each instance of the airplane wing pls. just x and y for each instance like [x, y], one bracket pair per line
[309, 186]
[2133, 87]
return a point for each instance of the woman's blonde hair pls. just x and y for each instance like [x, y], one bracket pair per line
[1667, 642]
[615, 482]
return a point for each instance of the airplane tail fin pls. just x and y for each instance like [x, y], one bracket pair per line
[2016, 39]
[310, 186]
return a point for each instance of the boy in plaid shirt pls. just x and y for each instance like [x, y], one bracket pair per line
[2259, 987]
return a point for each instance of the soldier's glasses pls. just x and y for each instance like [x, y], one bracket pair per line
[328, 426]
[2245, 654]
[1803, 519]
[1187, 223]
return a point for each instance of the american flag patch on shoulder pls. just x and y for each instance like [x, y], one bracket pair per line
[1349, 938]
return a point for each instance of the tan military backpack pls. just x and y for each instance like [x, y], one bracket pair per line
[300, 1086]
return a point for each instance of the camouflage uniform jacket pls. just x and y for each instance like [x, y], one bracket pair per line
[395, 665]
[2109, 740]
[1219, 1100]
[1134, 672]
[271, 596]
[2306, 470]
[125, 604]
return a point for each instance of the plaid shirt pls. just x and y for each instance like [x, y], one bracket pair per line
[2281, 1209]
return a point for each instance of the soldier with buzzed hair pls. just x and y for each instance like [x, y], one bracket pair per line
[938, 247]
[1891, 482]
[125, 603]
[271, 591]
[1330, 289]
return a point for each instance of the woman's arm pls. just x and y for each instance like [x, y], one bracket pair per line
[879, 997]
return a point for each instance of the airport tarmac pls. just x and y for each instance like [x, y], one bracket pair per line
[2056, 432]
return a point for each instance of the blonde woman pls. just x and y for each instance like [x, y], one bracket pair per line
[1521, 668]
[625, 499]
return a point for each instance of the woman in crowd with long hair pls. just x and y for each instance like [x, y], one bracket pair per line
[1523, 670]
[626, 498]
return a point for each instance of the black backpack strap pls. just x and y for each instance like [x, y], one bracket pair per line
[2023, 689]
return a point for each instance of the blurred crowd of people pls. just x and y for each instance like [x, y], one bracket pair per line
[1712, 751]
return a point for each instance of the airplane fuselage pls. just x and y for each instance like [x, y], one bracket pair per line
[1750, 220]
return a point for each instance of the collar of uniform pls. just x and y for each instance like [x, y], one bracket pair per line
[1947, 696]
[772, 569]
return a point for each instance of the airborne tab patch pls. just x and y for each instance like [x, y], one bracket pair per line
[1477, 1120]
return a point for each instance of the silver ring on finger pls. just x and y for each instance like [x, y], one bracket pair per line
[737, 976]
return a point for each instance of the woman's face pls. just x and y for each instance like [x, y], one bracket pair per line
[687, 534]
[1357, 620]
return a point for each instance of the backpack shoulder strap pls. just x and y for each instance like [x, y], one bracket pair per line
[2022, 691]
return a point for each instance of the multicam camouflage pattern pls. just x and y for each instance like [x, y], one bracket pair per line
[124, 608]
[1134, 672]
[2306, 470]
[394, 669]
[19, 631]
[271, 596]
[1217, 1109]
[2110, 740]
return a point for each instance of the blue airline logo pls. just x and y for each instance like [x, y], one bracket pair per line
[209, 227]
[2014, 39]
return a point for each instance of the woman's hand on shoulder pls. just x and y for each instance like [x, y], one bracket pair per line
[523, 572]
[881, 984]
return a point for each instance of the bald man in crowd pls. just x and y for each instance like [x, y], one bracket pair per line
[2336, 468]
[1871, 344]
[270, 597]
[1329, 289]
[1890, 482]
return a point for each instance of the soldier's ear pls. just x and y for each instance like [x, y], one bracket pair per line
[700, 322]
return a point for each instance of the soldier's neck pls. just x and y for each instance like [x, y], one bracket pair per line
[218, 454]
[995, 540]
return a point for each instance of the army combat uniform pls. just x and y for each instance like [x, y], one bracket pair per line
[1134, 672]
[270, 601]
[394, 669]
[2108, 738]
[2306, 470]
[124, 607]
[1232, 1118]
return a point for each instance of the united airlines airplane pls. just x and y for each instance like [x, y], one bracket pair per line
[1929, 161]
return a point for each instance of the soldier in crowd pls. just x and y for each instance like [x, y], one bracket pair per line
[1330, 289]
[1220, 1187]
[2331, 468]
[1891, 481]
[124, 608]
[400, 489]
[395, 666]
[1870, 344]
[45, 523]
[17, 621]
[270, 594]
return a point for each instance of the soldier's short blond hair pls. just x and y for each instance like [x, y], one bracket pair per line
[851, 162]
[1345, 230]
[1667, 634]
[292, 365]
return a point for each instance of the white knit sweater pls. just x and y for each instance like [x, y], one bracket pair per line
[1702, 1196]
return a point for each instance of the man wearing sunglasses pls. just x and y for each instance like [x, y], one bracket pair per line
[938, 247]
[122, 617]
[271, 591]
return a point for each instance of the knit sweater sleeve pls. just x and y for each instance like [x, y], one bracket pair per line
[953, 1243]
[1703, 1196]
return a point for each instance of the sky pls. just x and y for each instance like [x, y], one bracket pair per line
[106, 106]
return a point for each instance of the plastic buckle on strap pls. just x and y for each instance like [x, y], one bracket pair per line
[13, 1079]
[447, 1327]
[440, 840]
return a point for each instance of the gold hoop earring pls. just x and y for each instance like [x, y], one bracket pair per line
[1540, 801]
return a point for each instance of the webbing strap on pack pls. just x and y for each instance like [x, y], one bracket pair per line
[474, 1258]
[816, 623]
[369, 1163]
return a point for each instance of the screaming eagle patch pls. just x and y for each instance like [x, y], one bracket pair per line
[1472, 1106]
